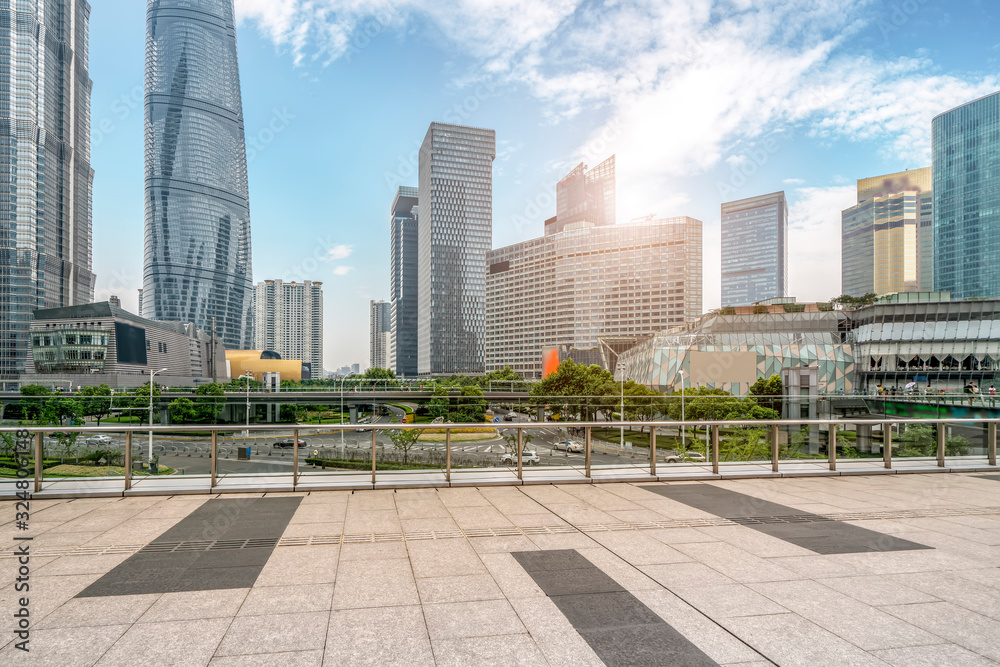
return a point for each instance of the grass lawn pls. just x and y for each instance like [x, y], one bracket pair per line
[459, 437]
[71, 470]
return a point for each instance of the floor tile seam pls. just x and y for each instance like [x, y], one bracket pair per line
[420, 601]
[682, 599]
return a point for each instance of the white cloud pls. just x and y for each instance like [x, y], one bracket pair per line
[814, 272]
[793, 181]
[342, 270]
[338, 252]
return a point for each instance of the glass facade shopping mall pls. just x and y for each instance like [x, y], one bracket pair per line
[922, 338]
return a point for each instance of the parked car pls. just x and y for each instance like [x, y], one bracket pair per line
[529, 458]
[287, 442]
[98, 440]
[695, 457]
[672, 456]
[510, 416]
[569, 446]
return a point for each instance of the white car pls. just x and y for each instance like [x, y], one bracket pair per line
[98, 440]
[528, 457]
[569, 446]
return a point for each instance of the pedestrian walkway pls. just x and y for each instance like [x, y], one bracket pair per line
[860, 570]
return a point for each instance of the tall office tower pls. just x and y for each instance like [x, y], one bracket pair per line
[585, 195]
[887, 237]
[966, 160]
[289, 320]
[45, 228]
[379, 321]
[754, 249]
[197, 261]
[570, 289]
[455, 231]
[403, 293]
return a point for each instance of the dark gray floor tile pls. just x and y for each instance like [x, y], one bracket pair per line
[645, 645]
[809, 531]
[554, 559]
[575, 581]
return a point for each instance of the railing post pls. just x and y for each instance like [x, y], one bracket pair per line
[128, 460]
[832, 447]
[941, 432]
[652, 451]
[39, 453]
[215, 458]
[715, 450]
[586, 456]
[887, 446]
[520, 451]
[774, 448]
[295, 458]
[447, 450]
[991, 446]
[373, 457]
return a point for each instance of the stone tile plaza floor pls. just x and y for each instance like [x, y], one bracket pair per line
[866, 570]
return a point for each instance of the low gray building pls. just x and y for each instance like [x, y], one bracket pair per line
[100, 343]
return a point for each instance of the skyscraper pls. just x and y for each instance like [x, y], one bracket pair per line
[378, 323]
[197, 262]
[585, 195]
[45, 228]
[754, 249]
[966, 162]
[455, 231]
[570, 289]
[887, 237]
[289, 320]
[403, 292]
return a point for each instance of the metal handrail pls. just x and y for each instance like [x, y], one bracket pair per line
[773, 427]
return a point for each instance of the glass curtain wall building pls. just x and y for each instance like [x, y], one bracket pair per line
[754, 249]
[887, 238]
[585, 195]
[571, 289]
[455, 231]
[965, 149]
[403, 292]
[379, 321]
[45, 174]
[197, 263]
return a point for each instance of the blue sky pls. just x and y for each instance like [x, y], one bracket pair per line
[702, 101]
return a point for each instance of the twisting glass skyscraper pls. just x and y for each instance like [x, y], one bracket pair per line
[45, 174]
[197, 261]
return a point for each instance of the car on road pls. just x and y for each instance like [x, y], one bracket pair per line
[695, 457]
[569, 446]
[529, 458]
[673, 456]
[510, 416]
[287, 442]
[98, 440]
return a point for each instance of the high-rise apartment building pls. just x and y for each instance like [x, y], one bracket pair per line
[455, 231]
[585, 195]
[46, 196]
[966, 161]
[568, 289]
[887, 237]
[754, 249]
[197, 261]
[403, 292]
[289, 321]
[379, 325]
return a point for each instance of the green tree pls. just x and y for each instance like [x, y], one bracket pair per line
[440, 404]
[211, 401]
[846, 301]
[920, 440]
[510, 441]
[31, 407]
[504, 379]
[589, 388]
[769, 391]
[183, 411]
[379, 374]
[403, 439]
[96, 401]
[472, 405]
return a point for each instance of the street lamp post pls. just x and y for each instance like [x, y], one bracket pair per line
[151, 376]
[683, 431]
[342, 407]
[247, 376]
[621, 414]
